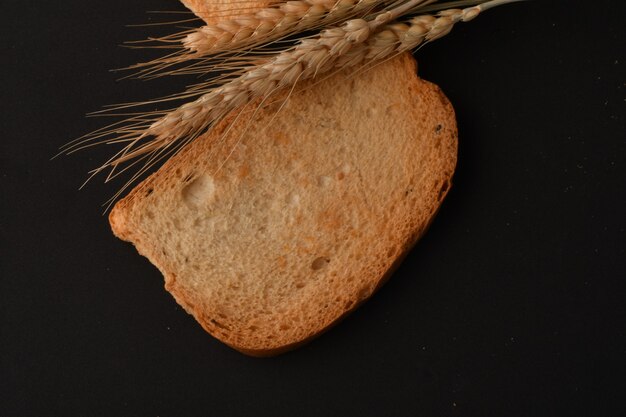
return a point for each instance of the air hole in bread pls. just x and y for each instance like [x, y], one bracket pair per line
[293, 199]
[444, 187]
[363, 293]
[218, 324]
[149, 191]
[324, 181]
[319, 263]
[199, 191]
[438, 128]
[393, 109]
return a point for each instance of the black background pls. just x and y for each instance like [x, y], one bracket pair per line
[512, 305]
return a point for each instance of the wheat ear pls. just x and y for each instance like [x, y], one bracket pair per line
[204, 48]
[250, 30]
[210, 48]
[353, 44]
[271, 23]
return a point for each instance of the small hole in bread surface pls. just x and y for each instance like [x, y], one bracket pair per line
[444, 187]
[324, 181]
[199, 191]
[218, 324]
[319, 263]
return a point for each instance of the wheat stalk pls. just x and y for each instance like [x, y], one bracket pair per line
[249, 30]
[152, 136]
[209, 43]
[355, 42]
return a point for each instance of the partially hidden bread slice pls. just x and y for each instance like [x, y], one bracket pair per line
[214, 10]
[276, 224]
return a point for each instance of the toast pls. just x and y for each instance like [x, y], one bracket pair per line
[282, 219]
[210, 10]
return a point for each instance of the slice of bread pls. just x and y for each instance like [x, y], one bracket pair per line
[273, 226]
[213, 10]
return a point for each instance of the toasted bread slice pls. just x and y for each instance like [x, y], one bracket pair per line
[276, 224]
[213, 10]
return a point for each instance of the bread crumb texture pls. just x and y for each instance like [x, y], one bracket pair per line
[273, 226]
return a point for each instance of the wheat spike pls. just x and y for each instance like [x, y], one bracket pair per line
[204, 49]
[353, 44]
[335, 48]
[248, 30]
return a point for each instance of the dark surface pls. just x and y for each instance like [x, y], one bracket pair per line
[512, 305]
